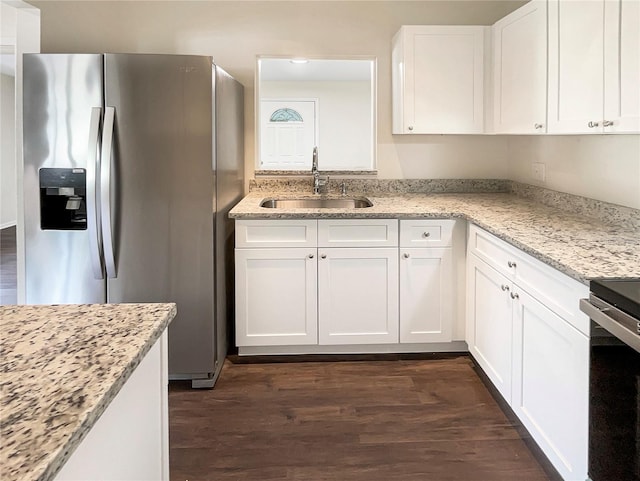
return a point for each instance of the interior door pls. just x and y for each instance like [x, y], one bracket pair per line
[287, 133]
[162, 198]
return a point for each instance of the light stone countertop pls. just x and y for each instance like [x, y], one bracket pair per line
[60, 367]
[580, 247]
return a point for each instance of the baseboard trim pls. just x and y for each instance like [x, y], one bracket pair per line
[291, 358]
[6, 225]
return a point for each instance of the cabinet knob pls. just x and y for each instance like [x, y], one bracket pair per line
[514, 295]
[593, 124]
[511, 264]
[504, 287]
[426, 234]
[405, 255]
[310, 256]
[410, 127]
[537, 126]
[607, 123]
[323, 256]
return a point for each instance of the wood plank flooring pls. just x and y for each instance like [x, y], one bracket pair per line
[8, 266]
[346, 421]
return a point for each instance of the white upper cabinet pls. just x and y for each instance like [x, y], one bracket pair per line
[622, 65]
[520, 70]
[594, 73]
[438, 79]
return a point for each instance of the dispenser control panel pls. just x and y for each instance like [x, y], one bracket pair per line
[63, 195]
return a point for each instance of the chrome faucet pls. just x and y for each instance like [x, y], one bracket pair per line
[317, 182]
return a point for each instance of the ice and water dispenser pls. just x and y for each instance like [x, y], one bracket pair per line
[63, 195]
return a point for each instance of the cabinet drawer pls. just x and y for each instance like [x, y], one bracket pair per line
[496, 252]
[554, 289]
[426, 233]
[276, 233]
[358, 233]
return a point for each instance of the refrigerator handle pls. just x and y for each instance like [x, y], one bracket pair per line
[105, 191]
[93, 221]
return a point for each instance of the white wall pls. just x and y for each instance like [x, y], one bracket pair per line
[8, 180]
[603, 167]
[234, 32]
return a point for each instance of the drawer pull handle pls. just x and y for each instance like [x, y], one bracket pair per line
[426, 234]
[511, 264]
[593, 124]
[514, 295]
[607, 123]
[310, 256]
[405, 255]
[323, 256]
[504, 287]
[537, 126]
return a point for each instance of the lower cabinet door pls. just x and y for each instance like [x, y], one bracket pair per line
[276, 297]
[426, 295]
[551, 383]
[358, 295]
[489, 322]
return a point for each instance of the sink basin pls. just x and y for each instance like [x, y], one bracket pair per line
[343, 203]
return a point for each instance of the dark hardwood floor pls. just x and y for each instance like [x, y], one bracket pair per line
[346, 421]
[8, 266]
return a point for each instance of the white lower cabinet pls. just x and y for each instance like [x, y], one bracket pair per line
[426, 295]
[358, 295]
[276, 296]
[533, 349]
[551, 383]
[344, 282]
[489, 323]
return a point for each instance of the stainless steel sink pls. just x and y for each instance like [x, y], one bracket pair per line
[344, 203]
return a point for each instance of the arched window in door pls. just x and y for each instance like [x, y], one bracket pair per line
[285, 115]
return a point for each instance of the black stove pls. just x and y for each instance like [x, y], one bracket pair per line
[621, 293]
[614, 379]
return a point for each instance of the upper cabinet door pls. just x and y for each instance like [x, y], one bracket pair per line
[520, 70]
[576, 80]
[622, 66]
[438, 80]
[594, 66]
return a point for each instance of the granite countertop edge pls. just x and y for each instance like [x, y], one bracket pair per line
[66, 450]
[37, 465]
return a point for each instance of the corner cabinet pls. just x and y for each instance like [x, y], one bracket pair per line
[520, 70]
[526, 332]
[438, 79]
[594, 66]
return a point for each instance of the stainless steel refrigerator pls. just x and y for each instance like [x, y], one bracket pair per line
[131, 164]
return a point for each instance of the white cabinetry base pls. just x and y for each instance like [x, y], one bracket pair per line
[454, 346]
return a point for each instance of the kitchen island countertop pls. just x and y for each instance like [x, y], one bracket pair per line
[60, 367]
[580, 247]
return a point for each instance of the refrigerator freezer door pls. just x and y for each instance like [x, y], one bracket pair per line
[60, 92]
[162, 194]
